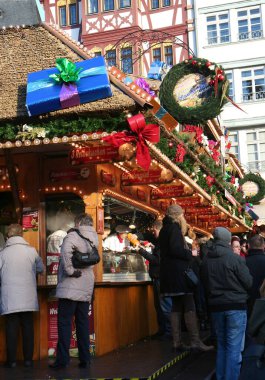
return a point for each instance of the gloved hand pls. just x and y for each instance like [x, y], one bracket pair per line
[76, 274]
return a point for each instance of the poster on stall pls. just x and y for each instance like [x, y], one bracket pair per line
[54, 242]
[30, 220]
[53, 331]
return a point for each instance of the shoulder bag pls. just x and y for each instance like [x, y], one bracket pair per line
[85, 259]
[191, 278]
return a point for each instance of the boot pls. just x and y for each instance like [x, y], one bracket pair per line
[175, 319]
[192, 327]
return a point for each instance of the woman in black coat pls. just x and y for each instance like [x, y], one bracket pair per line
[175, 259]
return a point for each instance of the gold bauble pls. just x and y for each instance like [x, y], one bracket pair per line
[126, 151]
[166, 175]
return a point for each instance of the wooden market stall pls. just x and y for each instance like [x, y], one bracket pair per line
[56, 165]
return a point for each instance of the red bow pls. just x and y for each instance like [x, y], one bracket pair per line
[141, 132]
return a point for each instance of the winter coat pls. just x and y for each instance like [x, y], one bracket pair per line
[19, 264]
[174, 259]
[81, 288]
[154, 260]
[255, 261]
[226, 278]
[256, 323]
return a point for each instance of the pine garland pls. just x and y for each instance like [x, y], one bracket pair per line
[64, 127]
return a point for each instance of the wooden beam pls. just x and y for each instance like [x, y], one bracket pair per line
[13, 183]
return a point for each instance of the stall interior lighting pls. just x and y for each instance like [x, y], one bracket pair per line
[132, 225]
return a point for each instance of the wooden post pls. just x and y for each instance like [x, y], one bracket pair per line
[13, 183]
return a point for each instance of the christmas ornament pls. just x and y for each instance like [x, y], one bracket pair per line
[126, 151]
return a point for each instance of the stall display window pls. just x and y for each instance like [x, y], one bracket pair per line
[121, 261]
[60, 214]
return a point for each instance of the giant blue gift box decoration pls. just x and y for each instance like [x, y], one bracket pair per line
[157, 68]
[46, 95]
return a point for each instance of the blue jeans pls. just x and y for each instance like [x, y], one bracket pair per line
[163, 307]
[230, 329]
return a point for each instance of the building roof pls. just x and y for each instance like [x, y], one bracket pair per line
[28, 49]
[18, 12]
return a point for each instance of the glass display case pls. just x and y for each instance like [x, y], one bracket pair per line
[121, 261]
[124, 266]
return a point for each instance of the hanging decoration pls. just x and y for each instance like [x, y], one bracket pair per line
[67, 85]
[194, 91]
[141, 82]
[180, 153]
[140, 133]
[253, 187]
[198, 131]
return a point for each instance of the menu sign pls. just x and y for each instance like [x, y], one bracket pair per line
[93, 154]
[167, 192]
[140, 177]
[230, 198]
[53, 331]
[69, 174]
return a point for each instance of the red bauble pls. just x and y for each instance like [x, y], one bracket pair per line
[208, 63]
[221, 77]
[170, 144]
[190, 56]
[194, 62]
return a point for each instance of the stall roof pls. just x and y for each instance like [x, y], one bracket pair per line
[35, 48]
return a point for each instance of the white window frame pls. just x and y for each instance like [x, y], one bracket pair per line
[257, 164]
[253, 96]
[249, 34]
[231, 84]
[234, 144]
[218, 22]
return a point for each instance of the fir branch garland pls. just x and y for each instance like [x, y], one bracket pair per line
[64, 127]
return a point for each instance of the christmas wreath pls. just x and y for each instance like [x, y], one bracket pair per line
[256, 178]
[194, 91]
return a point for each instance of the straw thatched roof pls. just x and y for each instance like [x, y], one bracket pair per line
[34, 48]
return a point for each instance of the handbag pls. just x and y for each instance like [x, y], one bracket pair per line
[82, 260]
[191, 278]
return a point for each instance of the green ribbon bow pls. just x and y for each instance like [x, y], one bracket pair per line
[68, 71]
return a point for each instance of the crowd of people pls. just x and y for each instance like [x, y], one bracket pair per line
[209, 282]
[229, 274]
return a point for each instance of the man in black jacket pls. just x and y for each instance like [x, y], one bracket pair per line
[255, 261]
[227, 281]
[162, 304]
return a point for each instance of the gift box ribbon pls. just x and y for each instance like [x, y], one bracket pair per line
[142, 132]
[69, 96]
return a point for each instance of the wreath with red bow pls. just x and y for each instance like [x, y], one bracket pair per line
[215, 88]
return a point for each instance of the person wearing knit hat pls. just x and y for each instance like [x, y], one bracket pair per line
[174, 209]
[175, 260]
[227, 281]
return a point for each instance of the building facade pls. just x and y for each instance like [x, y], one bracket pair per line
[231, 33]
[118, 29]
